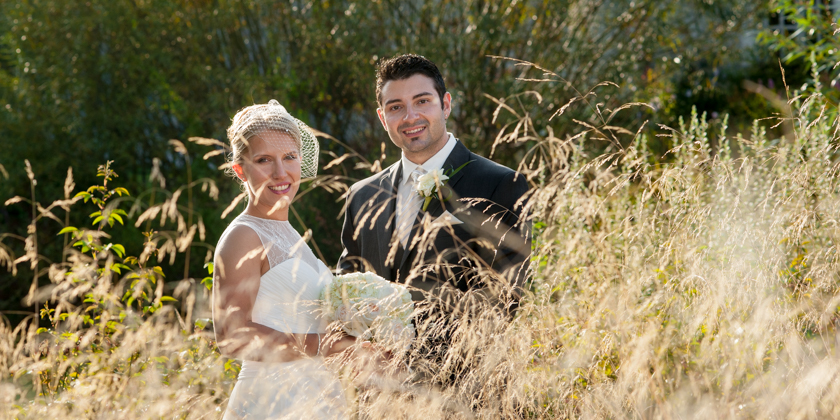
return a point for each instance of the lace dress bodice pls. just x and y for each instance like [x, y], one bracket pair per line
[287, 299]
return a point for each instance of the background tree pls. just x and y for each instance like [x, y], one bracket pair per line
[87, 81]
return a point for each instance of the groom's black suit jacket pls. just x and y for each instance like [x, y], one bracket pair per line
[483, 195]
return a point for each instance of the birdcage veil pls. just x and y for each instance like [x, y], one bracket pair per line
[274, 125]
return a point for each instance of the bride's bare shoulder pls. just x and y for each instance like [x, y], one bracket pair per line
[237, 243]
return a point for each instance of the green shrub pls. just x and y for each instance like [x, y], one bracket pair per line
[699, 283]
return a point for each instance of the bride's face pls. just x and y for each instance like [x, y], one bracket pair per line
[271, 169]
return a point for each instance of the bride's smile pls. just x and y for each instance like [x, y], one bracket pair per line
[280, 189]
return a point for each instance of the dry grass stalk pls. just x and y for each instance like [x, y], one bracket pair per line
[703, 285]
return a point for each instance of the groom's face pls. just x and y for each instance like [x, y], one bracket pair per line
[415, 116]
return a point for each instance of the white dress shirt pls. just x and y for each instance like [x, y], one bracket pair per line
[405, 188]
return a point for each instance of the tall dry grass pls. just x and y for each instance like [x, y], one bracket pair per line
[701, 284]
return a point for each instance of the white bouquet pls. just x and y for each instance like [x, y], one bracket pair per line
[368, 306]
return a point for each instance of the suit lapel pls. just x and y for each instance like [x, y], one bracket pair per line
[385, 221]
[459, 155]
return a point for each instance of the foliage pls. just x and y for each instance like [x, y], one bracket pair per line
[111, 326]
[812, 44]
[102, 80]
[697, 282]
[701, 284]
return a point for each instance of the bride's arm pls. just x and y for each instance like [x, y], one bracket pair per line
[239, 264]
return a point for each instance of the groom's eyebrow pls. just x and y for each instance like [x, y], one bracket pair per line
[414, 97]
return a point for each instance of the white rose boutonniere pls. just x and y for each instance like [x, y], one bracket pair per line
[429, 184]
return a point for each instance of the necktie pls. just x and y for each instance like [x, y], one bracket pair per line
[409, 203]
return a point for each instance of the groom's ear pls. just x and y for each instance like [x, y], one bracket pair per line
[446, 105]
[381, 118]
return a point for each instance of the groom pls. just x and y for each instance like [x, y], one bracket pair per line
[469, 236]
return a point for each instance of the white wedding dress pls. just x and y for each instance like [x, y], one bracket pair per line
[287, 302]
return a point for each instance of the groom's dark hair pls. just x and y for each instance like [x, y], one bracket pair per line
[404, 66]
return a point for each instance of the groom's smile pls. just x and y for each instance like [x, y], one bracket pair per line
[415, 130]
[414, 115]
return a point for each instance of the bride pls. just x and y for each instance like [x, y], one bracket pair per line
[267, 280]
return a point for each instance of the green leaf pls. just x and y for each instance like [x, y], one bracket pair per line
[121, 191]
[209, 266]
[41, 330]
[208, 283]
[119, 250]
[459, 168]
[96, 213]
[68, 229]
[116, 217]
[159, 271]
[168, 299]
[84, 194]
[97, 220]
[46, 312]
